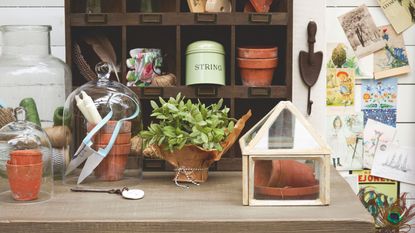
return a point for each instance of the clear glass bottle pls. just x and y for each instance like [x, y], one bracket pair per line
[28, 70]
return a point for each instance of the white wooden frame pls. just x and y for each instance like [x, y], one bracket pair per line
[250, 153]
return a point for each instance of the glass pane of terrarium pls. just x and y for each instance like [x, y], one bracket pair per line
[286, 132]
[286, 179]
[248, 137]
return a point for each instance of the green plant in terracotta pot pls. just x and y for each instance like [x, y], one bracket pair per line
[190, 136]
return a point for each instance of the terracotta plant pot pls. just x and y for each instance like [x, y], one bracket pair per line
[109, 127]
[257, 52]
[257, 72]
[104, 138]
[284, 178]
[25, 157]
[24, 181]
[113, 166]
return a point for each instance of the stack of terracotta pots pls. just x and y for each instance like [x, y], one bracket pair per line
[113, 166]
[24, 171]
[257, 65]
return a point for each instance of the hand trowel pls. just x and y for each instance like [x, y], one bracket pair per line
[310, 63]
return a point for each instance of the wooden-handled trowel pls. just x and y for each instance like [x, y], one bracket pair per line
[310, 63]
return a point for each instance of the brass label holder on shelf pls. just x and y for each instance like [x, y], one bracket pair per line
[96, 18]
[260, 18]
[206, 18]
[152, 91]
[207, 91]
[151, 19]
[259, 91]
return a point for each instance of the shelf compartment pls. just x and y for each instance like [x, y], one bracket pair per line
[220, 34]
[279, 18]
[156, 6]
[276, 6]
[160, 37]
[103, 19]
[269, 36]
[96, 6]
[77, 33]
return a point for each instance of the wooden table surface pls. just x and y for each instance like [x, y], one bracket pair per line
[215, 206]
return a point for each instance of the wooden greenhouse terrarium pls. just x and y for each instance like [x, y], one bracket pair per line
[285, 161]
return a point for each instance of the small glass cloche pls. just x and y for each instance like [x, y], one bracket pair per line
[25, 162]
[105, 120]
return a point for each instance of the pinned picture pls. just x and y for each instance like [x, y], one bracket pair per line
[379, 94]
[345, 137]
[393, 59]
[361, 31]
[341, 55]
[395, 162]
[376, 138]
[385, 116]
[340, 87]
[401, 13]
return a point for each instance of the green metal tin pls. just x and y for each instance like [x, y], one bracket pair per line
[205, 63]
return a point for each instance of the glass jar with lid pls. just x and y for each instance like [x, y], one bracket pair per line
[105, 121]
[25, 162]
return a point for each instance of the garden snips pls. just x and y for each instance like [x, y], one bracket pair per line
[86, 152]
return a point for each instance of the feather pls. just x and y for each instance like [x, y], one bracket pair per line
[102, 47]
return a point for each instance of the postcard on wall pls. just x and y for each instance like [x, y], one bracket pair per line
[340, 87]
[361, 31]
[400, 13]
[345, 137]
[341, 55]
[388, 187]
[393, 59]
[379, 94]
[385, 116]
[376, 137]
[395, 162]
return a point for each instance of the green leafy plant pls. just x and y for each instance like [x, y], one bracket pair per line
[185, 123]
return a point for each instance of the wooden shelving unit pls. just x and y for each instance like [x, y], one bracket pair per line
[173, 29]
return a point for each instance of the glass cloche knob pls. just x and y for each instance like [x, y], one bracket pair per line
[103, 70]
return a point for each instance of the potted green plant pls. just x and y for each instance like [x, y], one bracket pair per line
[191, 136]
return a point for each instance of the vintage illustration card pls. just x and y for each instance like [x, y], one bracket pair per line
[385, 116]
[376, 137]
[395, 162]
[379, 94]
[341, 55]
[340, 87]
[361, 31]
[393, 59]
[345, 137]
[400, 13]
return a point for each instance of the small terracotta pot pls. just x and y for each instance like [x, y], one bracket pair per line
[257, 72]
[109, 127]
[25, 157]
[284, 178]
[258, 52]
[104, 138]
[24, 181]
[113, 166]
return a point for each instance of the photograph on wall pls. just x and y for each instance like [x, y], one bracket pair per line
[361, 31]
[388, 187]
[400, 13]
[340, 87]
[395, 162]
[393, 59]
[379, 94]
[385, 116]
[341, 55]
[345, 137]
[376, 137]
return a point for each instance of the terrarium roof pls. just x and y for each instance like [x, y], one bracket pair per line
[284, 130]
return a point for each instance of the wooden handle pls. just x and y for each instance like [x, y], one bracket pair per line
[311, 30]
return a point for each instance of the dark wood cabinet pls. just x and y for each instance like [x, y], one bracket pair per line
[172, 29]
